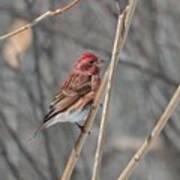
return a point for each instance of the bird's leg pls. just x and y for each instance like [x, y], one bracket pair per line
[81, 127]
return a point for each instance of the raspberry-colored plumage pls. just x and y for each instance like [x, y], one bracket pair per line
[73, 102]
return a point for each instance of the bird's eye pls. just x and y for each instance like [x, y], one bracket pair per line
[91, 62]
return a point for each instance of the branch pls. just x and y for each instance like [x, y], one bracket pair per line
[153, 136]
[131, 143]
[39, 19]
[75, 153]
[123, 24]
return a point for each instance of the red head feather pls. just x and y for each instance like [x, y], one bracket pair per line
[87, 64]
[87, 56]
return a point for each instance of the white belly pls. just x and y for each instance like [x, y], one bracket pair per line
[73, 117]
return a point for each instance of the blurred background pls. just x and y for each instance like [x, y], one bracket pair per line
[34, 63]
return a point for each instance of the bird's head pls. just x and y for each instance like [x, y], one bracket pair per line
[88, 64]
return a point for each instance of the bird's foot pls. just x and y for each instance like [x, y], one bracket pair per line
[82, 129]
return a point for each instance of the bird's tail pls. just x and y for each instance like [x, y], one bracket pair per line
[36, 132]
[40, 128]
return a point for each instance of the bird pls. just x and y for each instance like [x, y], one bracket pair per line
[74, 99]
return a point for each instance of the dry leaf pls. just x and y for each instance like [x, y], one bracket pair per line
[17, 45]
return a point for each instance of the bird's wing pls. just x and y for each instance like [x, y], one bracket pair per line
[66, 98]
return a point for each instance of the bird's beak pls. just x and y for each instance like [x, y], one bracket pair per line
[100, 62]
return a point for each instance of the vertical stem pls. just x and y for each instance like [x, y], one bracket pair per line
[75, 153]
[153, 136]
[123, 23]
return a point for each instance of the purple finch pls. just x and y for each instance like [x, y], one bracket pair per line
[74, 99]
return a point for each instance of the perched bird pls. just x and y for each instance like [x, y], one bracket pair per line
[74, 99]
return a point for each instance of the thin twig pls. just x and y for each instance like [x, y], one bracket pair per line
[123, 24]
[153, 136]
[74, 156]
[39, 19]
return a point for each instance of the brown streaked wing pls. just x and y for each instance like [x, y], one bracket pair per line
[62, 102]
[56, 99]
[61, 94]
[60, 106]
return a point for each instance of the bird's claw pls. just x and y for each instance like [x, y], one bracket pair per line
[82, 129]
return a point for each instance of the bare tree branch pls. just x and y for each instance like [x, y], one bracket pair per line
[161, 123]
[123, 24]
[39, 19]
[75, 153]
